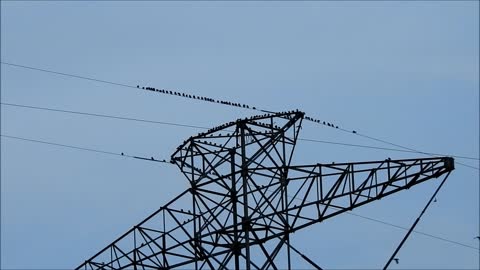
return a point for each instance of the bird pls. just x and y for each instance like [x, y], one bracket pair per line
[478, 237]
[396, 260]
[138, 86]
[353, 131]
[152, 158]
[435, 200]
[122, 153]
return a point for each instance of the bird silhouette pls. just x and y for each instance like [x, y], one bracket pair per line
[396, 260]
[152, 158]
[478, 237]
[122, 153]
[435, 200]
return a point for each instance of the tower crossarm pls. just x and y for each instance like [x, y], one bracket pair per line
[314, 193]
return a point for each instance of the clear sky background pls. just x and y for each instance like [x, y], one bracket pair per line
[406, 72]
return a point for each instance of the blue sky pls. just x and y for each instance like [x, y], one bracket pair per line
[406, 72]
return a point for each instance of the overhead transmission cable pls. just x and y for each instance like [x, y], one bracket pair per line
[86, 149]
[397, 226]
[206, 128]
[223, 102]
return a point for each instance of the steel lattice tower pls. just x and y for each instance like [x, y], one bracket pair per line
[246, 199]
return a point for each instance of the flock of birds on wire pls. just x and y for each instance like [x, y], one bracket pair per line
[229, 103]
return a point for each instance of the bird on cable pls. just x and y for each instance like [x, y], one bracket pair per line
[396, 260]
[353, 131]
[122, 153]
[138, 86]
[152, 158]
[435, 200]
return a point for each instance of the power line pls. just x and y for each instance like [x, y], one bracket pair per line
[85, 149]
[411, 150]
[101, 115]
[67, 74]
[229, 103]
[202, 127]
[418, 232]
[385, 148]
[397, 226]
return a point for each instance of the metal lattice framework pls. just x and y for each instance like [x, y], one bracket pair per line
[246, 199]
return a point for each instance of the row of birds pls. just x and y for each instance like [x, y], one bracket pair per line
[168, 92]
[320, 122]
[256, 117]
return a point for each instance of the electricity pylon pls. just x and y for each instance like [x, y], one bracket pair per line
[246, 199]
